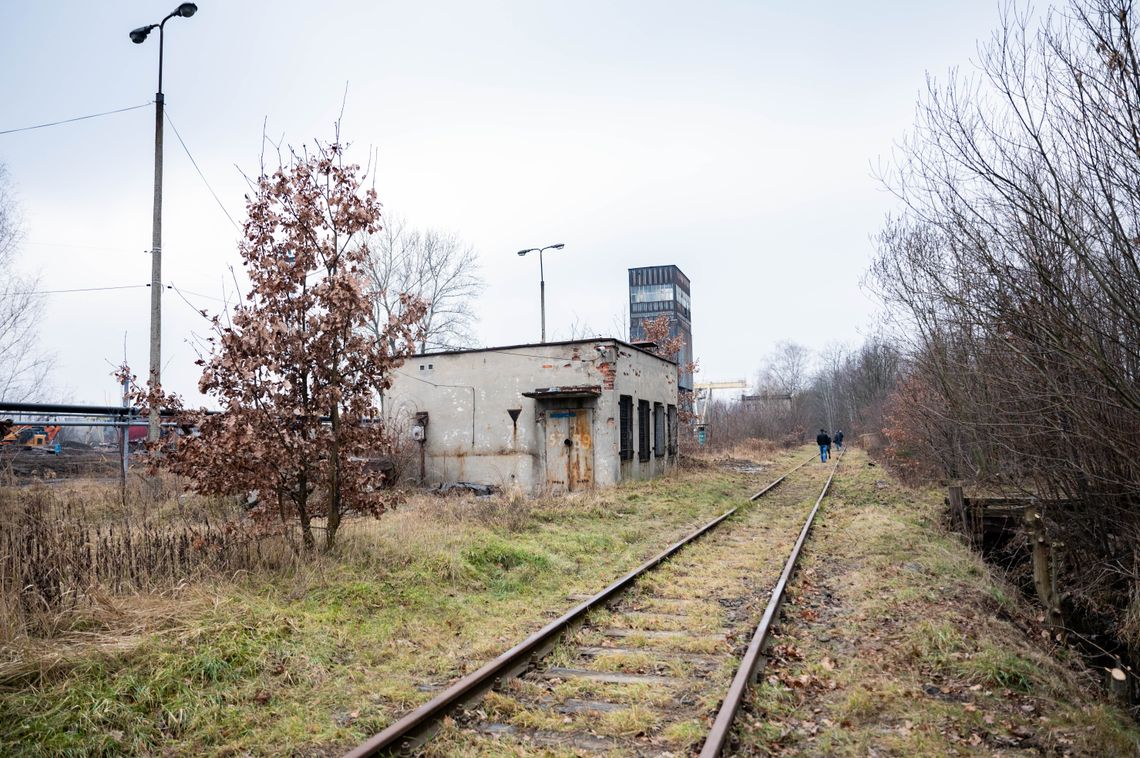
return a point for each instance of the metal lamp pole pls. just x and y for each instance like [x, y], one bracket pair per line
[138, 36]
[542, 280]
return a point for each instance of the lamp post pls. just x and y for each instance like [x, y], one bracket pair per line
[542, 280]
[138, 36]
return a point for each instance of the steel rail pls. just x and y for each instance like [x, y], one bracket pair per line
[753, 658]
[772, 485]
[417, 727]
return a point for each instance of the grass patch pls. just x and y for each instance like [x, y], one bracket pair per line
[325, 654]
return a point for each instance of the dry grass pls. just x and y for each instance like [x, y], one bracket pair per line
[306, 655]
[68, 551]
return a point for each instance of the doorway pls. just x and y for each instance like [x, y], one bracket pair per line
[569, 449]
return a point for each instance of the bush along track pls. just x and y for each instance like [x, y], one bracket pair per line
[898, 640]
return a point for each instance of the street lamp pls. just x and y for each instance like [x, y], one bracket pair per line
[138, 36]
[542, 280]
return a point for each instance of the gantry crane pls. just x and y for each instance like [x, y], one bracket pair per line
[702, 394]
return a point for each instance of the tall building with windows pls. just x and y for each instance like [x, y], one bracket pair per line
[657, 290]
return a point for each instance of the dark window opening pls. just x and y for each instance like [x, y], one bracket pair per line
[658, 430]
[625, 435]
[643, 430]
[672, 413]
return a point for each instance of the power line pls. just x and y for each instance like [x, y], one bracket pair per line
[81, 289]
[181, 290]
[203, 176]
[77, 246]
[77, 118]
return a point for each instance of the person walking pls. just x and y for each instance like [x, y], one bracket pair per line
[824, 441]
[839, 440]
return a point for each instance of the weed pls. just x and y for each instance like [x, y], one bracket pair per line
[999, 667]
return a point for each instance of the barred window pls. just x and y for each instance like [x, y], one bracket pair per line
[643, 430]
[625, 427]
[672, 413]
[658, 430]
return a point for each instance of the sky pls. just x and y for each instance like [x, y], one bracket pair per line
[737, 140]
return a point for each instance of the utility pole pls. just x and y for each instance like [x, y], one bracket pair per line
[156, 256]
[138, 36]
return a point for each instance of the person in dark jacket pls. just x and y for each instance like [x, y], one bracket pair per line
[824, 441]
[839, 440]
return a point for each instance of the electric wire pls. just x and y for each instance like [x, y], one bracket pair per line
[81, 289]
[199, 170]
[72, 120]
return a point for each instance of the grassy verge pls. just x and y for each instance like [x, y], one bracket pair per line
[901, 641]
[313, 659]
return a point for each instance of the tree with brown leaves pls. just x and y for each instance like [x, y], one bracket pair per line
[296, 369]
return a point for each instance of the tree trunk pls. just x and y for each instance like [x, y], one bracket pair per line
[333, 522]
[303, 510]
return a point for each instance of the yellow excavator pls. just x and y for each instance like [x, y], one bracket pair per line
[28, 435]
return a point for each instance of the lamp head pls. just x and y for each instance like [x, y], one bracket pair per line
[138, 36]
[186, 10]
[524, 252]
[559, 246]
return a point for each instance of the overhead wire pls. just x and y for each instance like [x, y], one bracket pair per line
[199, 170]
[72, 120]
[81, 289]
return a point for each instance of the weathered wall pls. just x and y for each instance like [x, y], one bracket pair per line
[472, 437]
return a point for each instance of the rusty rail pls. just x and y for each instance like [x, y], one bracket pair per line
[417, 727]
[772, 485]
[753, 659]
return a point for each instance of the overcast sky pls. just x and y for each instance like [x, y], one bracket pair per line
[736, 140]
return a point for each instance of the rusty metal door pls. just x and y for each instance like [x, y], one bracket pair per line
[569, 450]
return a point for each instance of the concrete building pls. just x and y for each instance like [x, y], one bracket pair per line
[549, 418]
[663, 290]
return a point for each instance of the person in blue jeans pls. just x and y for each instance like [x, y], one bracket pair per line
[824, 441]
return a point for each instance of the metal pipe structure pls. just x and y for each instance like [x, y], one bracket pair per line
[61, 409]
[138, 36]
[542, 280]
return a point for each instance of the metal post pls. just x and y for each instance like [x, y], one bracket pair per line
[156, 250]
[542, 295]
[125, 438]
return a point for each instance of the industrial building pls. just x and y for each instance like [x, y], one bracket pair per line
[548, 418]
[663, 290]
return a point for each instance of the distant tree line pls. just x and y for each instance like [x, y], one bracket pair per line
[796, 393]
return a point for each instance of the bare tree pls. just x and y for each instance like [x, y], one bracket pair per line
[1013, 272]
[787, 372]
[433, 267]
[22, 369]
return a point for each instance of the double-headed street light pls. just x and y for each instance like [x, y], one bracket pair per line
[542, 280]
[138, 36]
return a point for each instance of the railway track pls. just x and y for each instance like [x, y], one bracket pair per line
[637, 669]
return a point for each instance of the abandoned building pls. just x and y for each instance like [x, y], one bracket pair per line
[548, 418]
